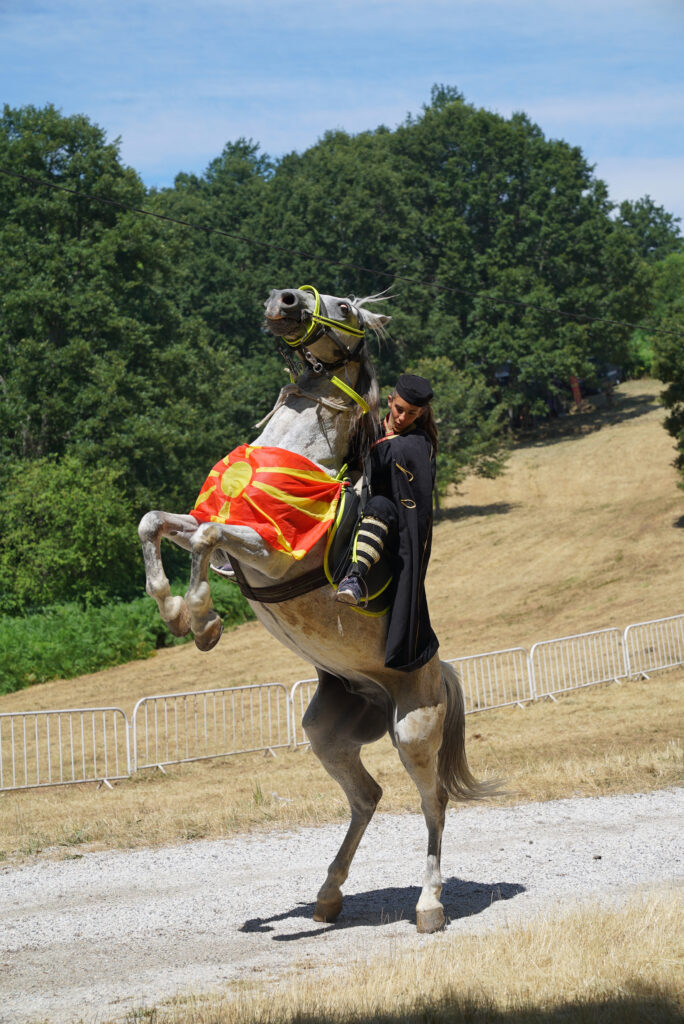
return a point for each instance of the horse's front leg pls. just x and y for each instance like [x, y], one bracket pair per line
[153, 527]
[254, 556]
[205, 623]
[418, 737]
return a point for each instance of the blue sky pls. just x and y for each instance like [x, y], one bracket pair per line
[177, 80]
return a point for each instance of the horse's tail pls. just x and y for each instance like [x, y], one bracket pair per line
[452, 764]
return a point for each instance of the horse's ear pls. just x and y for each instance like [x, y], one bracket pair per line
[375, 321]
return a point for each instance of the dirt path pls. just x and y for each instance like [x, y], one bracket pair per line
[90, 938]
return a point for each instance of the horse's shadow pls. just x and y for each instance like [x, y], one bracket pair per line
[460, 898]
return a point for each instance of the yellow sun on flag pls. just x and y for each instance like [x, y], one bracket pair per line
[285, 497]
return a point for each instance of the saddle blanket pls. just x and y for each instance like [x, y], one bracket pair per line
[285, 497]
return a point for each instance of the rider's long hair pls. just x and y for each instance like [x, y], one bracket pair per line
[426, 422]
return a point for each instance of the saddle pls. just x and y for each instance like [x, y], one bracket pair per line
[336, 562]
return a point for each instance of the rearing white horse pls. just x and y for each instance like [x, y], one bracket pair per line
[358, 699]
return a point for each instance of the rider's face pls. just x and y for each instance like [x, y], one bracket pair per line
[401, 414]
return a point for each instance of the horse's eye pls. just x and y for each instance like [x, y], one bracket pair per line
[344, 308]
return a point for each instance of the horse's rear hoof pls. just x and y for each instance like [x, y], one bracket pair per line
[328, 910]
[210, 635]
[428, 921]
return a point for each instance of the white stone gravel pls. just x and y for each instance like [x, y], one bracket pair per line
[89, 939]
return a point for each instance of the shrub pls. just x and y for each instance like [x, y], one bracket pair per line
[67, 534]
[66, 640]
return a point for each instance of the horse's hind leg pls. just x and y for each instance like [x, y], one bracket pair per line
[153, 527]
[337, 724]
[418, 737]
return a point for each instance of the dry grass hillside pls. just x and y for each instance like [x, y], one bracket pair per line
[584, 530]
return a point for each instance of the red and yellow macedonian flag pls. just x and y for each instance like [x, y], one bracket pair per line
[285, 497]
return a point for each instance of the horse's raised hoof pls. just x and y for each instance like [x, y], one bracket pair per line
[328, 911]
[210, 635]
[428, 921]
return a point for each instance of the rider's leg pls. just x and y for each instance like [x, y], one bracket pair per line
[377, 527]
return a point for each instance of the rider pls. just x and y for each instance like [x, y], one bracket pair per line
[399, 516]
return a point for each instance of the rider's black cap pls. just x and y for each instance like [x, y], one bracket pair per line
[414, 390]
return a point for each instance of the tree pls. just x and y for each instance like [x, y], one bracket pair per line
[222, 279]
[654, 231]
[468, 421]
[97, 356]
[513, 228]
[668, 347]
[67, 533]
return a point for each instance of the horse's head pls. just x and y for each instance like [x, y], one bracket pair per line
[328, 335]
[329, 328]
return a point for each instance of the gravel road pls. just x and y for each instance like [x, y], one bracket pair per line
[93, 937]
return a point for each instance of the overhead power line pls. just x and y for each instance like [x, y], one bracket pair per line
[343, 264]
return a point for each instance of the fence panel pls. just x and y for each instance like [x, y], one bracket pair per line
[494, 680]
[654, 645]
[571, 662]
[300, 698]
[58, 748]
[172, 728]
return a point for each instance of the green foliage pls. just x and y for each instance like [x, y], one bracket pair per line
[227, 600]
[67, 640]
[639, 362]
[97, 357]
[468, 421]
[668, 362]
[654, 231]
[67, 533]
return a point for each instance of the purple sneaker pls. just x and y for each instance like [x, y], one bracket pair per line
[226, 570]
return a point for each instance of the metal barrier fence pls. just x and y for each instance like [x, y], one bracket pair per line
[173, 728]
[57, 748]
[650, 646]
[300, 697]
[494, 680]
[571, 662]
[51, 748]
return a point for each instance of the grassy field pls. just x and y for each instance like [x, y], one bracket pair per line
[588, 965]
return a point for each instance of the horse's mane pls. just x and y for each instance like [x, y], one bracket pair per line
[366, 426]
[365, 429]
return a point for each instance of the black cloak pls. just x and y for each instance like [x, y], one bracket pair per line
[403, 470]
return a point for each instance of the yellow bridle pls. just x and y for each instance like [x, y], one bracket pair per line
[319, 321]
